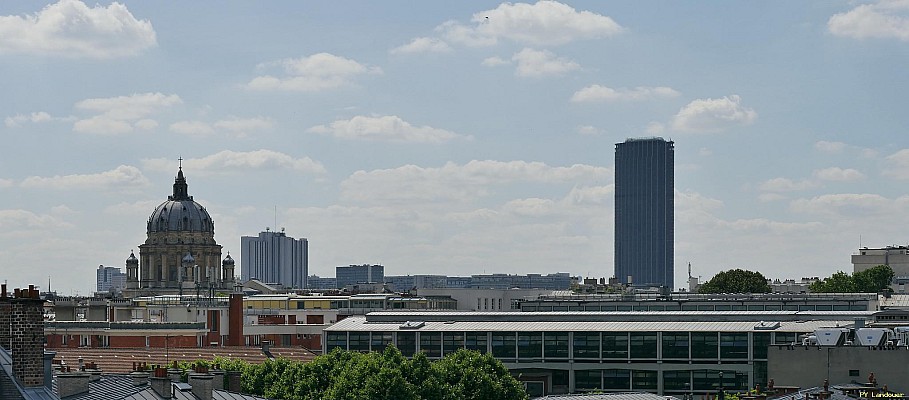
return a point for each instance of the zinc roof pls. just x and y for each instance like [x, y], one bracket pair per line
[360, 324]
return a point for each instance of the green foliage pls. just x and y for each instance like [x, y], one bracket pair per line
[871, 280]
[736, 281]
[345, 375]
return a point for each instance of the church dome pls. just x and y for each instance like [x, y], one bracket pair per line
[180, 212]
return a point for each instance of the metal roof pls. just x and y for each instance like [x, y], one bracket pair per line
[360, 324]
[120, 387]
[607, 396]
[615, 316]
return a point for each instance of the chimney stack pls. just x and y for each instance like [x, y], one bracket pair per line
[201, 385]
[22, 323]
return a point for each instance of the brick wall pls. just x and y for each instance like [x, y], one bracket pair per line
[26, 335]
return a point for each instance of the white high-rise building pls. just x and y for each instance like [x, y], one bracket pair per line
[274, 257]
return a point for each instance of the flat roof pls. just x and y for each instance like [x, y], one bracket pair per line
[614, 316]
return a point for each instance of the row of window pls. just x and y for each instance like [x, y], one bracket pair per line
[576, 345]
[529, 306]
[683, 381]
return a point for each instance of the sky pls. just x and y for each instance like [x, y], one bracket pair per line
[452, 137]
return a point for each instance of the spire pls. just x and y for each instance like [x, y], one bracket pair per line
[181, 189]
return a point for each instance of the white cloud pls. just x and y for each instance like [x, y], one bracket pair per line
[5, 183]
[589, 130]
[122, 114]
[538, 63]
[654, 128]
[494, 62]
[230, 161]
[18, 119]
[602, 93]
[839, 174]
[713, 115]
[897, 165]
[533, 207]
[192, 128]
[317, 72]
[829, 147]
[768, 197]
[422, 45]
[852, 205]
[18, 219]
[244, 126]
[459, 182]
[883, 20]
[384, 128]
[544, 23]
[124, 176]
[786, 185]
[72, 29]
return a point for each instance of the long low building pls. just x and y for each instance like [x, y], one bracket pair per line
[669, 353]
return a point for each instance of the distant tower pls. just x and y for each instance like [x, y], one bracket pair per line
[274, 257]
[132, 271]
[227, 269]
[644, 186]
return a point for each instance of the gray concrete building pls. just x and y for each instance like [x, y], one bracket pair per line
[109, 279]
[274, 257]
[355, 274]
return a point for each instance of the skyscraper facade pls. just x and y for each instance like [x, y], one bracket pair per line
[644, 229]
[274, 257]
[109, 279]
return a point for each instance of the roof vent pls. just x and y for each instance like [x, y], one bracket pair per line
[767, 326]
[412, 325]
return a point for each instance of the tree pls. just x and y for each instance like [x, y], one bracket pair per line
[871, 280]
[736, 281]
[350, 375]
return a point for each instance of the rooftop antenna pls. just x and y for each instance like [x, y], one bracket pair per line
[276, 216]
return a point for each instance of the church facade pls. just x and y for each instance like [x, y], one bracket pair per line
[180, 254]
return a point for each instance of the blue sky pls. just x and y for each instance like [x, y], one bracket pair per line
[452, 137]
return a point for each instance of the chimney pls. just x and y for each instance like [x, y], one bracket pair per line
[72, 383]
[25, 317]
[235, 320]
[161, 385]
[233, 381]
[201, 384]
[49, 369]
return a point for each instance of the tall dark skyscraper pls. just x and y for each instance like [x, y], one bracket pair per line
[644, 182]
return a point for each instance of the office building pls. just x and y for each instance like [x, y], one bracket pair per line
[897, 257]
[109, 279]
[644, 212]
[274, 257]
[354, 274]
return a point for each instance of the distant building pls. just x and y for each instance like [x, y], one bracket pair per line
[354, 274]
[274, 257]
[897, 257]
[408, 282]
[644, 208]
[320, 283]
[110, 279]
[557, 281]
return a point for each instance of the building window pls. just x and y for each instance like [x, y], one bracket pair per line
[586, 345]
[431, 344]
[643, 345]
[677, 380]
[617, 379]
[734, 345]
[359, 341]
[476, 341]
[704, 345]
[588, 379]
[759, 343]
[556, 345]
[335, 339]
[380, 340]
[675, 345]
[452, 342]
[615, 345]
[503, 344]
[645, 380]
[407, 343]
[530, 345]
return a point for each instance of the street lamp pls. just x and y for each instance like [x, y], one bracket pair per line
[720, 394]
